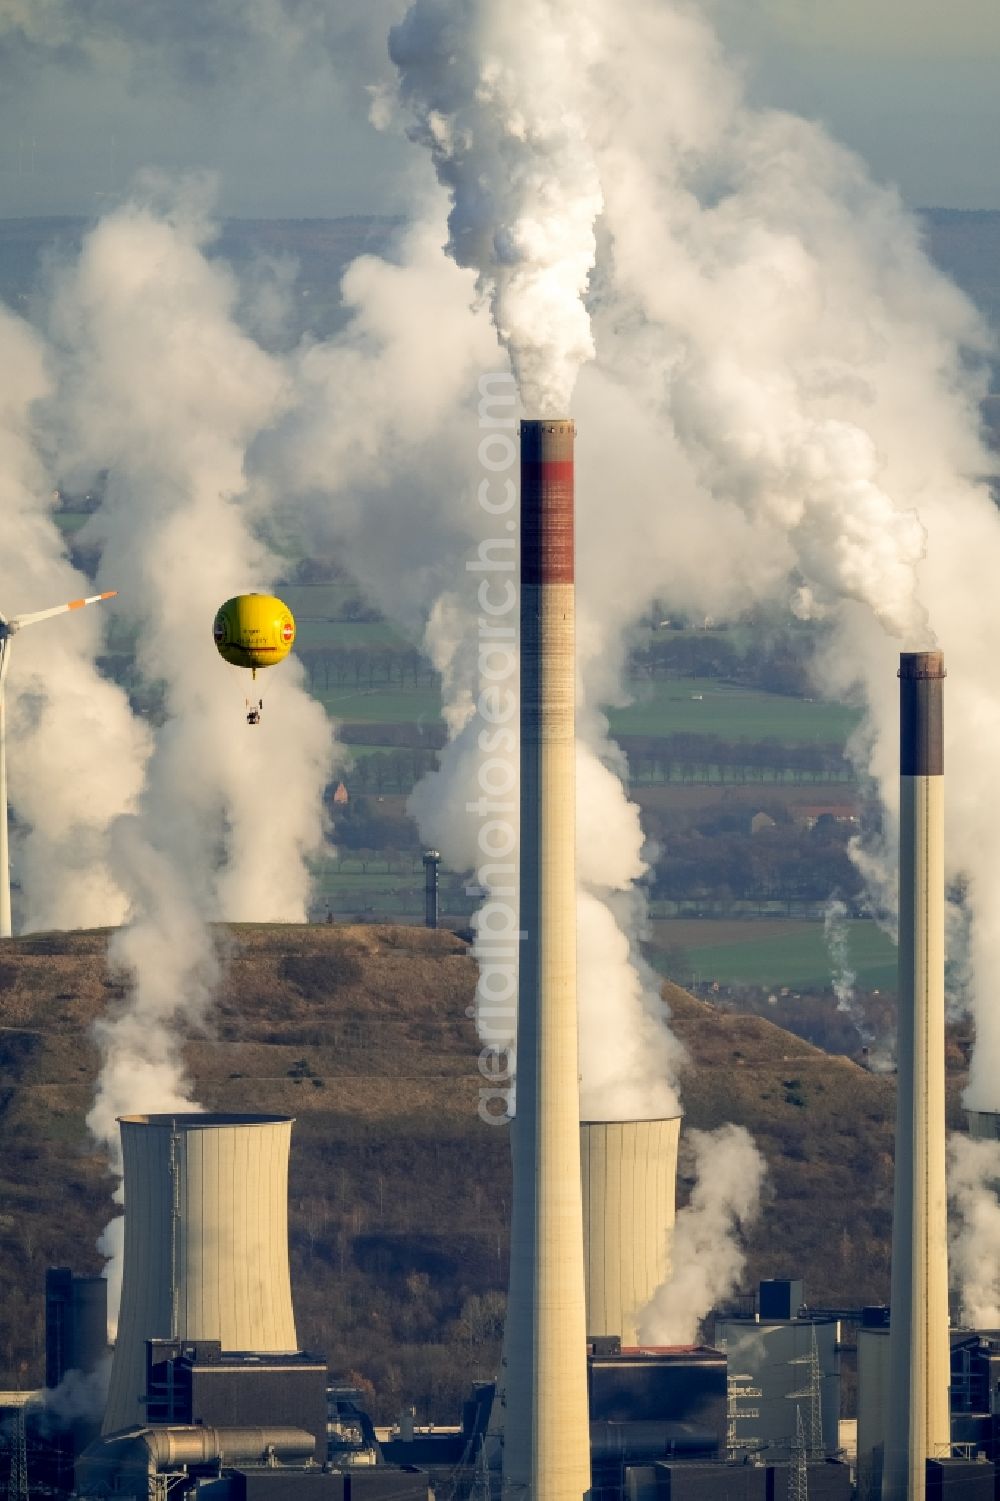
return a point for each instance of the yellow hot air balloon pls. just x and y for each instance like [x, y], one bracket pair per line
[254, 631]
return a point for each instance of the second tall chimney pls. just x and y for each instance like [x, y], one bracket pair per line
[919, 1426]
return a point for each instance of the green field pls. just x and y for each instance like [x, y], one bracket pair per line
[345, 635]
[667, 708]
[324, 604]
[346, 887]
[382, 705]
[769, 953]
[705, 706]
[70, 522]
[357, 751]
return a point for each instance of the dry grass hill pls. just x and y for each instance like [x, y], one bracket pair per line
[399, 1195]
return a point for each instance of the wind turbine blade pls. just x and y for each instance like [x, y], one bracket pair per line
[20, 621]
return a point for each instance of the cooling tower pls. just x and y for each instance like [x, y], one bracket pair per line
[206, 1242]
[546, 1451]
[629, 1172]
[918, 1425]
[984, 1125]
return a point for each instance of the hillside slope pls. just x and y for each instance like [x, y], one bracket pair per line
[399, 1194]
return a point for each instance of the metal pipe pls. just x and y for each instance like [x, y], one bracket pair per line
[546, 1453]
[195, 1445]
[918, 1425]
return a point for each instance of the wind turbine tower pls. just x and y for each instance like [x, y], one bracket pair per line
[8, 630]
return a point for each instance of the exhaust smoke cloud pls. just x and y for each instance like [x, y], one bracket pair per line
[706, 1246]
[76, 755]
[491, 91]
[802, 385]
[974, 1229]
[160, 394]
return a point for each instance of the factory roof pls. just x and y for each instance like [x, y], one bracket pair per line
[670, 1350]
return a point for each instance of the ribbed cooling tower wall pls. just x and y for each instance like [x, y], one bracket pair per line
[629, 1180]
[984, 1125]
[206, 1242]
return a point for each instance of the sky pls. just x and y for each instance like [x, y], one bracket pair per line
[272, 95]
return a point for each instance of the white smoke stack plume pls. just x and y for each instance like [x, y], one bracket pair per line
[707, 1255]
[75, 753]
[493, 95]
[835, 932]
[974, 1228]
[80, 1395]
[161, 391]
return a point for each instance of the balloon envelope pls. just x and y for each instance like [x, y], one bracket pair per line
[254, 630]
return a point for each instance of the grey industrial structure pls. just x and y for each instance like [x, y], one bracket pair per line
[210, 1394]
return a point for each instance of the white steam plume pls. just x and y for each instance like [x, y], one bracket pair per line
[80, 1395]
[161, 392]
[495, 100]
[493, 92]
[784, 400]
[75, 753]
[835, 932]
[706, 1252]
[974, 1229]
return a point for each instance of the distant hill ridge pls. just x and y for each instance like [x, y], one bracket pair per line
[399, 1195]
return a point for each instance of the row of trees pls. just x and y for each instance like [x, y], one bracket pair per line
[777, 664]
[678, 758]
[781, 864]
[397, 770]
[709, 758]
[367, 667]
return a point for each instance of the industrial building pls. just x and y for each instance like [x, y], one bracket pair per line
[792, 1369]
[974, 1398]
[210, 1393]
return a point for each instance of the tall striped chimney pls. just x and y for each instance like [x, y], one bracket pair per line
[918, 1423]
[546, 1449]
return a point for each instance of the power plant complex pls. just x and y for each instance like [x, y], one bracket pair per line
[211, 1396]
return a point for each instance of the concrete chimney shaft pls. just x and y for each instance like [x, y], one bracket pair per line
[546, 1447]
[918, 1426]
[206, 1242]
